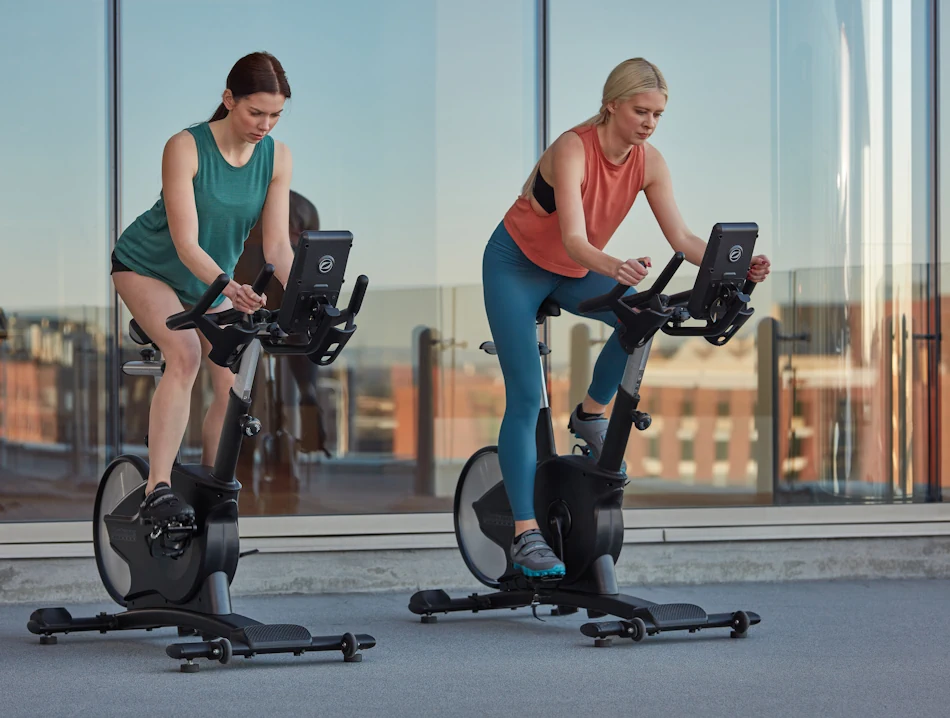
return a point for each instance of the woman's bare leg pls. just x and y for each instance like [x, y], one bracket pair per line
[151, 302]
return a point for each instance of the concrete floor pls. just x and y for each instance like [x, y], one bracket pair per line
[841, 648]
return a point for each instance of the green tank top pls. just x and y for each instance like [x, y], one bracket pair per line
[229, 201]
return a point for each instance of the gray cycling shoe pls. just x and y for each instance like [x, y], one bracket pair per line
[531, 555]
[592, 432]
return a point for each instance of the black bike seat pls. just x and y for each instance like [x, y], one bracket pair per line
[138, 334]
[548, 308]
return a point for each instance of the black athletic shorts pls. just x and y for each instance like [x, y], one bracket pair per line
[117, 266]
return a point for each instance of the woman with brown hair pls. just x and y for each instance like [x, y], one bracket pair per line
[218, 179]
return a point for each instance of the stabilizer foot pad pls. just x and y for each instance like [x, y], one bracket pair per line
[668, 616]
[285, 635]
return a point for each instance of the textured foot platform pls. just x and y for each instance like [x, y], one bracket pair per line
[675, 616]
[275, 638]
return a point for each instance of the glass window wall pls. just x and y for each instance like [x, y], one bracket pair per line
[414, 125]
[811, 119]
[54, 291]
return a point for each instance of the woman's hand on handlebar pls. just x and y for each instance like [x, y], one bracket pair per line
[633, 271]
[759, 268]
[243, 298]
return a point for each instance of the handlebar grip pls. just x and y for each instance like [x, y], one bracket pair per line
[748, 286]
[603, 300]
[212, 293]
[204, 304]
[359, 291]
[263, 277]
[667, 274]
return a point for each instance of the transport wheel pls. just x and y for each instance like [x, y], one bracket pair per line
[740, 624]
[639, 630]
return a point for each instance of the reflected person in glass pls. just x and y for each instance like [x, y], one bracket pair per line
[218, 179]
[300, 424]
[551, 244]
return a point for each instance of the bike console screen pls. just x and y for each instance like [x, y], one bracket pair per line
[316, 277]
[725, 265]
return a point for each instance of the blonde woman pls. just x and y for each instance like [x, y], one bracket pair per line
[550, 244]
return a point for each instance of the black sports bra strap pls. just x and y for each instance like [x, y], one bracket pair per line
[544, 194]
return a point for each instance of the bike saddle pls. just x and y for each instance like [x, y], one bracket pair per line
[138, 334]
[548, 308]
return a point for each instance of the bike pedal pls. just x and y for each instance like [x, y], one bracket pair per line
[170, 538]
[171, 528]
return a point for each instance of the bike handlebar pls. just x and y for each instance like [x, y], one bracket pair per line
[667, 274]
[230, 331]
[644, 313]
[187, 318]
[359, 291]
[609, 300]
[263, 277]
[604, 300]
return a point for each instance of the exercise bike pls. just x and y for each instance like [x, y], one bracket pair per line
[578, 503]
[179, 574]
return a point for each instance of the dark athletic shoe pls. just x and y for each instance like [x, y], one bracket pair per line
[164, 506]
[531, 555]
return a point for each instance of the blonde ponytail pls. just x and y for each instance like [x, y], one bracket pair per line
[629, 78]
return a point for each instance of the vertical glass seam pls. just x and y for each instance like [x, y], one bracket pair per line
[113, 330]
[935, 324]
[544, 104]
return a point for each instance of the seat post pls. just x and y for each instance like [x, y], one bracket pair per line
[625, 404]
[543, 338]
[237, 422]
[544, 431]
[549, 308]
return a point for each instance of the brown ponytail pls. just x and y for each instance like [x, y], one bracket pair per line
[257, 72]
[219, 114]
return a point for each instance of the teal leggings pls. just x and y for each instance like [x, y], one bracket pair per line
[514, 289]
